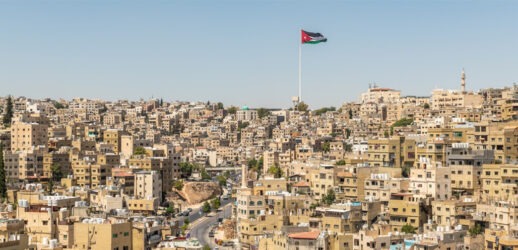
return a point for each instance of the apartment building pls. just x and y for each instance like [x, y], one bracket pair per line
[25, 136]
[148, 184]
[98, 233]
[499, 182]
[466, 167]
[406, 208]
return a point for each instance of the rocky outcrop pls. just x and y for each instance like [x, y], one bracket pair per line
[197, 192]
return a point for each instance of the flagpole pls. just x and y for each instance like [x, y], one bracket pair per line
[300, 70]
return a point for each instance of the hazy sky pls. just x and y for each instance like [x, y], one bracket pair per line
[246, 52]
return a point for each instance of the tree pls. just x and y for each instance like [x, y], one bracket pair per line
[215, 203]
[313, 206]
[178, 184]
[220, 106]
[302, 107]
[205, 175]
[206, 247]
[56, 173]
[350, 114]
[406, 171]
[426, 106]
[3, 187]
[276, 171]
[232, 110]
[139, 151]
[330, 197]
[170, 209]
[403, 122]
[408, 229]
[242, 125]
[348, 147]
[386, 134]
[340, 163]
[476, 230]
[262, 112]
[50, 186]
[8, 115]
[222, 180]
[58, 105]
[206, 207]
[184, 228]
[256, 165]
[186, 168]
[324, 110]
[226, 174]
[347, 133]
[326, 147]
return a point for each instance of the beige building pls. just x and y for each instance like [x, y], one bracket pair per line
[97, 233]
[442, 99]
[148, 184]
[406, 209]
[25, 136]
[113, 137]
[430, 180]
[380, 95]
[12, 234]
[450, 213]
[499, 183]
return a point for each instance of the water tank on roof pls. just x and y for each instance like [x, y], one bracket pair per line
[53, 243]
[45, 241]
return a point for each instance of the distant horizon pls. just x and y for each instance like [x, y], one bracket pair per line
[226, 105]
[246, 53]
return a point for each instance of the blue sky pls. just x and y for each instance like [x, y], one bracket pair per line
[246, 52]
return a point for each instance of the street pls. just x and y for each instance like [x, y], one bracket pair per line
[201, 228]
[196, 214]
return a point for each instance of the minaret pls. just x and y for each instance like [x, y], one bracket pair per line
[463, 81]
[244, 176]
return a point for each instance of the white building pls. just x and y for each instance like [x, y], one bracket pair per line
[148, 184]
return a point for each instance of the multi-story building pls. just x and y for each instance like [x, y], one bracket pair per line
[407, 209]
[98, 233]
[25, 136]
[499, 182]
[148, 184]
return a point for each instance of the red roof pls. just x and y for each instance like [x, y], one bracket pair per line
[313, 235]
[301, 184]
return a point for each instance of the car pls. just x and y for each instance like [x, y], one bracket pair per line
[211, 234]
[189, 209]
[220, 219]
[228, 243]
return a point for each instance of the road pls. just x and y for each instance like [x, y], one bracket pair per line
[196, 214]
[201, 228]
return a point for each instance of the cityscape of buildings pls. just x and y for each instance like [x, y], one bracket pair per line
[388, 171]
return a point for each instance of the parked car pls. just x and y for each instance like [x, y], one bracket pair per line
[211, 234]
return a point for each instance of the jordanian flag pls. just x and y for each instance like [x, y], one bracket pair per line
[313, 38]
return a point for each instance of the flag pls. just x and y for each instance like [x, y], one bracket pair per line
[313, 38]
